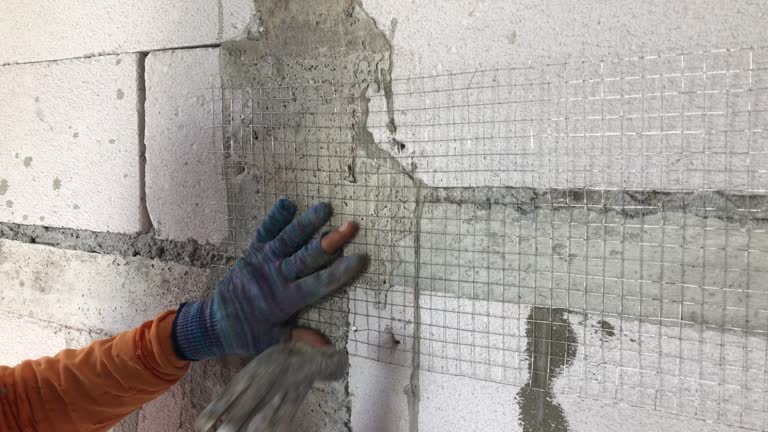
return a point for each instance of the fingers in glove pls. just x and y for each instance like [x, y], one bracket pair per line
[316, 286]
[300, 231]
[335, 239]
[277, 219]
[308, 260]
[248, 337]
[319, 253]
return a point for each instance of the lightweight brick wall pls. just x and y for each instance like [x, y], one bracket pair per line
[186, 194]
[79, 290]
[55, 299]
[453, 403]
[450, 402]
[109, 293]
[51, 29]
[466, 35]
[471, 36]
[25, 338]
[69, 152]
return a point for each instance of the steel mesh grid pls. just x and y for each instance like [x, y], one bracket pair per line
[620, 202]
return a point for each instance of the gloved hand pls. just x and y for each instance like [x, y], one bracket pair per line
[280, 272]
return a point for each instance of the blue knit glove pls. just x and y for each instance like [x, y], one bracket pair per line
[280, 272]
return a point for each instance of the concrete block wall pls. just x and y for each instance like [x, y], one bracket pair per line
[108, 293]
[108, 124]
[501, 34]
[50, 30]
[464, 404]
[113, 205]
[185, 188]
[70, 156]
[106, 185]
[476, 36]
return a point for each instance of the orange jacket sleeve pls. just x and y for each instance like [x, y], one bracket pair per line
[93, 388]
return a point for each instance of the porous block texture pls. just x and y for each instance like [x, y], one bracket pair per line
[186, 194]
[465, 35]
[69, 151]
[92, 292]
[26, 338]
[50, 29]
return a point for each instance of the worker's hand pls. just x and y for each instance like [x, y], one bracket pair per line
[282, 271]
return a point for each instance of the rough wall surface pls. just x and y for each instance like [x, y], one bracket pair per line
[49, 30]
[475, 36]
[91, 291]
[26, 338]
[465, 35]
[451, 403]
[356, 149]
[301, 43]
[69, 156]
[55, 299]
[185, 190]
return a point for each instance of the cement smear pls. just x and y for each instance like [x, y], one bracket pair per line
[629, 204]
[303, 135]
[550, 347]
[143, 245]
[297, 94]
[413, 390]
[314, 66]
[642, 254]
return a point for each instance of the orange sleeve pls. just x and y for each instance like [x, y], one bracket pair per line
[93, 388]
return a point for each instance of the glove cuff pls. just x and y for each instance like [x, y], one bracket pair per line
[194, 332]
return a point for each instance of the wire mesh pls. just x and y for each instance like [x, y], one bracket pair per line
[608, 217]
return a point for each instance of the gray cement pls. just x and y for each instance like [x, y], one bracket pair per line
[661, 264]
[551, 345]
[143, 245]
[631, 204]
[316, 65]
[619, 253]
[303, 50]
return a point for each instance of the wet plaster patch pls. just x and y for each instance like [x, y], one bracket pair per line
[629, 204]
[527, 232]
[302, 47]
[413, 390]
[305, 46]
[3, 186]
[308, 47]
[550, 347]
[276, 60]
[190, 252]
